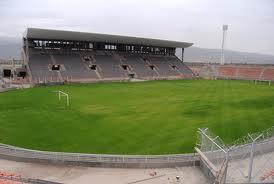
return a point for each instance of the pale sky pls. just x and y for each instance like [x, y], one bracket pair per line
[251, 22]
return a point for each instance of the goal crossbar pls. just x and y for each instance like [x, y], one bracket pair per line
[261, 80]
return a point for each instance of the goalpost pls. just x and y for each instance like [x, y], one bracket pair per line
[63, 94]
[258, 80]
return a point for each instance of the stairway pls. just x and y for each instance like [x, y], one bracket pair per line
[60, 77]
[155, 67]
[93, 62]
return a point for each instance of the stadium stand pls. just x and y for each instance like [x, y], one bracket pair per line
[110, 67]
[249, 72]
[227, 71]
[59, 56]
[39, 64]
[139, 66]
[73, 67]
[238, 71]
[164, 68]
[268, 74]
[183, 69]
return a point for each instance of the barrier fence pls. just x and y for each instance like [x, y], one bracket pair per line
[248, 160]
[103, 160]
[252, 158]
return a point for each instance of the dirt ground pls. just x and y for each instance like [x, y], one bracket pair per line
[76, 174]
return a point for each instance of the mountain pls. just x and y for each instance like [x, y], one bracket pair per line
[11, 48]
[195, 54]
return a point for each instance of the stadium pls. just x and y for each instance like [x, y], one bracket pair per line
[111, 101]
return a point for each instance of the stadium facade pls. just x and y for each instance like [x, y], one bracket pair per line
[58, 56]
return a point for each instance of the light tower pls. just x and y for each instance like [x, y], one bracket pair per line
[225, 27]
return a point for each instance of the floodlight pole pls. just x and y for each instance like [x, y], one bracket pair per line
[225, 27]
[252, 157]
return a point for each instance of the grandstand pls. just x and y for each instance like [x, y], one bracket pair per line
[248, 72]
[58, 56]
[236, 71]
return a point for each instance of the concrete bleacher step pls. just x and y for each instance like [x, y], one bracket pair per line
[237, 72]
[182, 69]
[93, 61]
[58, 72]
[178, 71]
[119, 58]
[165, 69]
[77, 66]
[155, 66]
[262, 72]
[110, 67]
[123, 62]
[98, 74]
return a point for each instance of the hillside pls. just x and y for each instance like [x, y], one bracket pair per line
[11, 49]
[195, 54]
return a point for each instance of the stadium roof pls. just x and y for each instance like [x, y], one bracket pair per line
[47, 34]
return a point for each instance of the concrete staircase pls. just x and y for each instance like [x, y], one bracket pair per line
[60, 77]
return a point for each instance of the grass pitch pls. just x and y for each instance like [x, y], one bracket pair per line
[156, 117]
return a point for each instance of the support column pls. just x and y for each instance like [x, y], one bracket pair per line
[27, 50]
[183, 51]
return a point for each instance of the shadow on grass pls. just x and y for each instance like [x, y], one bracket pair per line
[255, 103]
[200, 111]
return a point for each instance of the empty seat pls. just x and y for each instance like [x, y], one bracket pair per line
[109, 66]
[139, 66]
[164, 68]
[95, 65]
[181, 67]
[75, 68]
[227, 71]
[40, 67]
[268, 74]
[249, 73]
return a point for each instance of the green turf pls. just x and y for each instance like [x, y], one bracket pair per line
[156, 117]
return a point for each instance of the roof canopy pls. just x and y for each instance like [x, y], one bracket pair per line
[47, 34]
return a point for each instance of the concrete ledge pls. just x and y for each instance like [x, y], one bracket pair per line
[2, 90]
[195, 162]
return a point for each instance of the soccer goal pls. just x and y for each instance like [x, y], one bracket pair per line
[63, 94]
[262, 81]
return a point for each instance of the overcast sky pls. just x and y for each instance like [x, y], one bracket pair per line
[251, 22]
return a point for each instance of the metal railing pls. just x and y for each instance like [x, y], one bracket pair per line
[22, 153]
